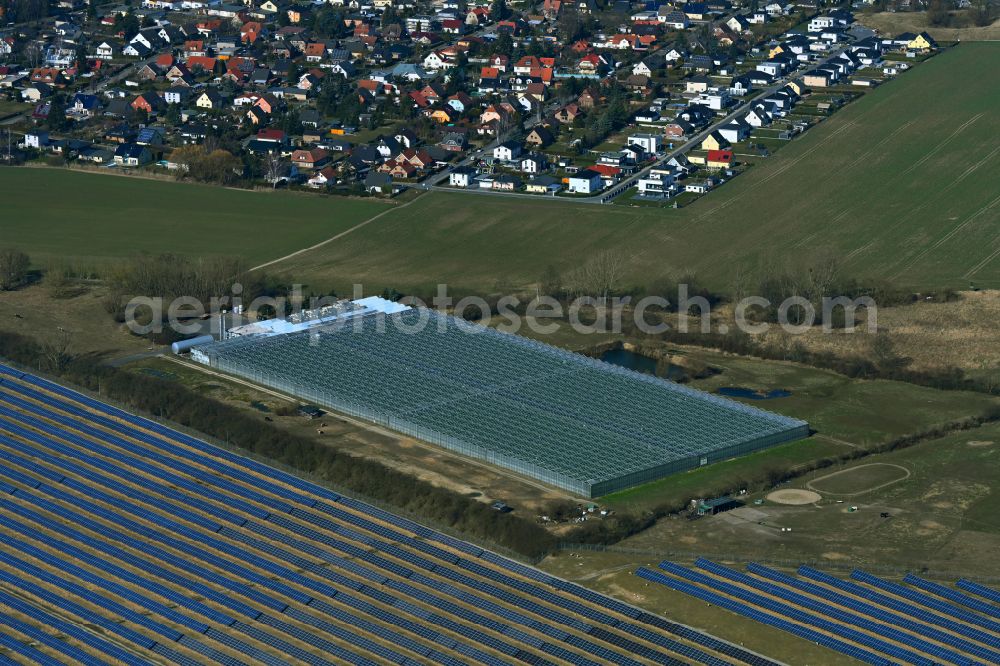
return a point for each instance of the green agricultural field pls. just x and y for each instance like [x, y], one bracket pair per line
[900, 183]
[55, 213]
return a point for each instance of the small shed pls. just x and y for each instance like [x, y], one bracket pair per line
[717, 505]
[310, 412]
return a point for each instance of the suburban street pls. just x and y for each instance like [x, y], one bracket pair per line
[607, 196]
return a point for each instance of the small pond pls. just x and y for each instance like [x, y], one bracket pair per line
[641, 363]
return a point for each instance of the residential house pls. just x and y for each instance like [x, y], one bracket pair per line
[533, 163]
[210, 98]
[649, 143]
[310, 159]
[325, 177]
[539, 137]
[453, 142]
[735, 131]
[36, 139]
[544, 184]
[507, 151]
[586, 181]
[719, 159]
[460, 101]
[462, 177]
[151, 103]
[105, 51]
[85, 105]
[506, 183]
[672, 18]
[714, 141]
[132, 155]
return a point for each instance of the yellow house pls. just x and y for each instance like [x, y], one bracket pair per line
[798, 86]
[922, 42]
[208, 100]
[776, 50]
[441, 116]
[714, 141]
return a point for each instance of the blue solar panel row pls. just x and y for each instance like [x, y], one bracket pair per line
[59, 601]
[209, 652]
[979, 590]
[488, 589]
[347, 619]
[86, 637]
[116, 588]
[164, 444]
[39, 636]
[706, 640]
[765, 618]
[138, 421]
[177, 544]
[145, 481]
[118, 554]
[26, 651]
[155, 552]
[387, 533]
[334, 650]
[850, 619]
[167, 461]
[930, 602]
[879, 612]
[479, 569]
[952, 595]
[257, 655]
[797, 615]
[902, 606]
[63, 465]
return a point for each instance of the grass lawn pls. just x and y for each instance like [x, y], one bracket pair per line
[860, 479]
[943, 515]
[845, 413]
[53, 213]
[898, 182]
[8, 107]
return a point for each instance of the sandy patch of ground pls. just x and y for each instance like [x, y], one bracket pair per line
[977, 443]
[794, 497]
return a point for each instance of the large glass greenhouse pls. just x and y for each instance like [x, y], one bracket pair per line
[559, 417]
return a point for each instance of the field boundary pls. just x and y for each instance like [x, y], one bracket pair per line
[357, 226]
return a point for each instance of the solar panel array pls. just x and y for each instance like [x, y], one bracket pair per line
[874, 620]
[125, 542]
[560, 417]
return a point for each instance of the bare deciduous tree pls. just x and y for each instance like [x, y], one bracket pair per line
[14, 266]
[599, 275]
